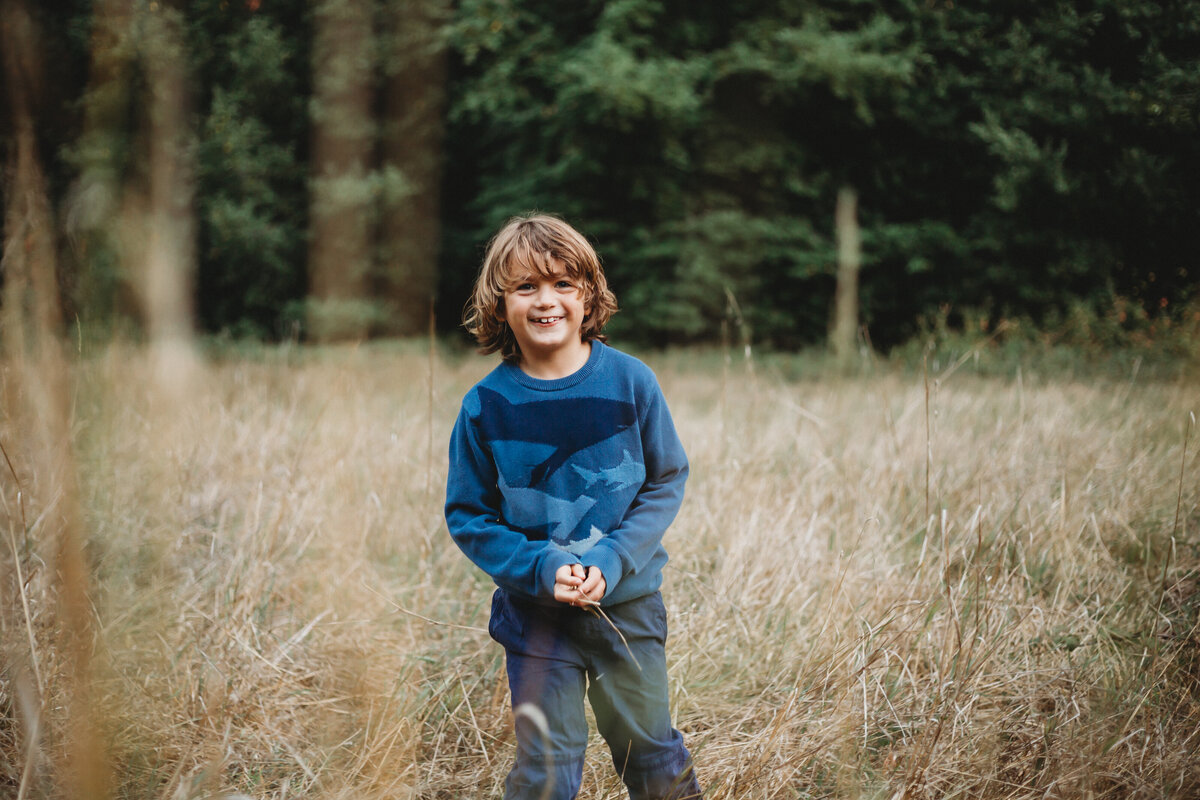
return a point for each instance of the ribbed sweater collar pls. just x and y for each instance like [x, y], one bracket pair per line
[574, 379]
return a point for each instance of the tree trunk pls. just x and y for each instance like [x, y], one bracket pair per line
[845, 324]
[92, 206]
[412, 150]
[339, 255]
[164, 275]
[40, 407]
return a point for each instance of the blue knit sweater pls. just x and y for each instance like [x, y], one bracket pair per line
[584, 469]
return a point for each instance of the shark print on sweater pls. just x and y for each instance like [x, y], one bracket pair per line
[622, 476]
[568, 425]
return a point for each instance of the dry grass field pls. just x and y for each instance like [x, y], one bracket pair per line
[892, 585]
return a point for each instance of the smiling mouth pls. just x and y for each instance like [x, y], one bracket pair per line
[546, 320]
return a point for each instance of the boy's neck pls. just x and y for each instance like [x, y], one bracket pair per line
[558, 363]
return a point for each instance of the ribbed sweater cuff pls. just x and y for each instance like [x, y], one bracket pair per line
[609, 563]
[550, 565]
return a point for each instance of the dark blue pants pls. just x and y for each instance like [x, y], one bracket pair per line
[556, 653]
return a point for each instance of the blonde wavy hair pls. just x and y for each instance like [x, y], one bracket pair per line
[532, 244]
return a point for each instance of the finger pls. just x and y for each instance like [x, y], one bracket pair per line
[594, 576]
[578, 571]
[566, 594]
[597, 593]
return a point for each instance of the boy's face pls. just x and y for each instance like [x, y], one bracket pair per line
[545, 311]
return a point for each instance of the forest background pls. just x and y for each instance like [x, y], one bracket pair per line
[338, 166]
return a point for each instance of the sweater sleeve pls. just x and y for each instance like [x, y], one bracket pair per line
[473, 519]
[629, 547]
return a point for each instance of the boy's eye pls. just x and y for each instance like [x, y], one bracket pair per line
[565, 284]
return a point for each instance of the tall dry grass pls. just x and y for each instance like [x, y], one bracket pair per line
[880, 586]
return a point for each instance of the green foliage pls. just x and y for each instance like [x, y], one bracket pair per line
[334, 319]
[94, 156]
[252, 195]
[1110, 337]
[1014, 158]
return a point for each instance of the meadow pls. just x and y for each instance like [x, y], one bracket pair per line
[906, 582]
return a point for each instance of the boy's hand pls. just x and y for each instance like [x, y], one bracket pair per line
[567, 580]
[577, 587]
[593, 586]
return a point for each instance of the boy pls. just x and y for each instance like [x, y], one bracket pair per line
[565, 470]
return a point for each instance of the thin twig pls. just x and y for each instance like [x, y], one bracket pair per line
[1187, 433]
[1162, 587]
[928, 438]
[12, 541]
[592, 605]
[421, 617]
[1001, 328]
[429, 420]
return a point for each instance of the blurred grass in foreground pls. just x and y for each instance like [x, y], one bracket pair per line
[921, 580]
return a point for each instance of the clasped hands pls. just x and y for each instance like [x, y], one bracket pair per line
[579, 586]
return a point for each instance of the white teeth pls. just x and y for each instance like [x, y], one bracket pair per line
[545, 320]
